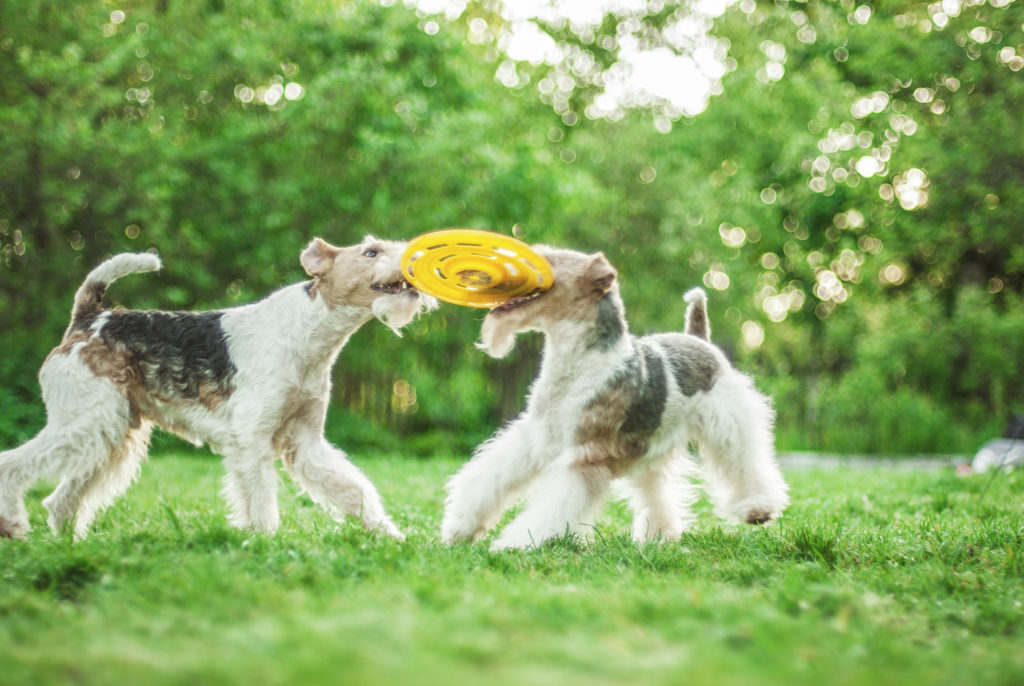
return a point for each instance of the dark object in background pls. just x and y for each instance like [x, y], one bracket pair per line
[1015, 427]
[1004, 452]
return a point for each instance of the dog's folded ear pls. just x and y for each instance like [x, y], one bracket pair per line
[599, 273]
[318, 257]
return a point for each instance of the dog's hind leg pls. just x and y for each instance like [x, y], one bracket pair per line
[737, 445]
[65, 499]
[113, 478]
[19, 468]
[94, 423]
[90, 455]
[660, 496]
[87, 416]
[83, 469]
[336, 484]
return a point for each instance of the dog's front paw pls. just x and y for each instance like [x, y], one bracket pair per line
[516, 537]
[385, 527]
[501, 545]
[455, 529]
[511, 543]
[646, 532]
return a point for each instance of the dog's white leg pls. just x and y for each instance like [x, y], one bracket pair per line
[250, 487]
[19, 468]
[486, 486]
[86, 457]
[87, 417]
[65, 499]
[659, 497]
[738, 447]
[64, 449]
[114, 478]
[566, 500]
[336, 484]
[83, 470]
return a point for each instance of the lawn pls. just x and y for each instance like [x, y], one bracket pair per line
[874, 576]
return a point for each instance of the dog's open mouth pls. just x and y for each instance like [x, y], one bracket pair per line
[519, 301]
[399, 286]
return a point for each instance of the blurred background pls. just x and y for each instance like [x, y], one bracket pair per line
[845, 180]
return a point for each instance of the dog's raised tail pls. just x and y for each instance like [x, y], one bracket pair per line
[89, 297]
[697, 314]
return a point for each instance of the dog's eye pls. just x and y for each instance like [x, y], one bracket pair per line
[370, 253]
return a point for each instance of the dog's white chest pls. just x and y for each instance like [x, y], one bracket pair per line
[562, 392]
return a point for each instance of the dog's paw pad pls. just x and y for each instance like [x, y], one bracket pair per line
[760, 517]
[13, 528]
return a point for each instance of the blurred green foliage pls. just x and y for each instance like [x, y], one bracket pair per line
[855, 218]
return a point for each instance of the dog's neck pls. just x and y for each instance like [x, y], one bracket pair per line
[333, 319]
[604, 332]
[578, 355]
[300, 330]
[329, 328]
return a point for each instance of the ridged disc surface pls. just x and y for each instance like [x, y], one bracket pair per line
[474, 268]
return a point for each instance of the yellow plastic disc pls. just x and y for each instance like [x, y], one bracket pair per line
[474, 268]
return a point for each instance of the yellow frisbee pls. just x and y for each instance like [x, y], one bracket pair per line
[474, 268]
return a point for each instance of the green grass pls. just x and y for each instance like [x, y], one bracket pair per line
[873, 576]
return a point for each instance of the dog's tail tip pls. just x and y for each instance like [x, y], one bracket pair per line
[695, 295]
[697, 314]
[122, 265]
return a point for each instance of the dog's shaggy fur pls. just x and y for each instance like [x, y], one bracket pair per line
[608, 406]
[253, 382]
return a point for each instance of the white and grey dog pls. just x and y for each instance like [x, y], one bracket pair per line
[609, 406]
[253, 382]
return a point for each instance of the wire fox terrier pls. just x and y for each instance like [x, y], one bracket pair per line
[253, 382]
[609, 406]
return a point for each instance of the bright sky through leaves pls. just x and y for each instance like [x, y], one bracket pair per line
[684, 76]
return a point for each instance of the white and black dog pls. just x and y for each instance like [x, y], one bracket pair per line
[253, 382]
[608, 406]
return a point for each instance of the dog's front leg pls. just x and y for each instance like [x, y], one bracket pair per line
[486, 486]
[567, 498]
[250, 488]
[336, 484]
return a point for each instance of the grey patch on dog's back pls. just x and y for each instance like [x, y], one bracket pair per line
[619, 420]
[610, 325]
[650, 394]
[176, 354]
[693, 362]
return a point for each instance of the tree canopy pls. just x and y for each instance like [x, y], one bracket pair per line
[850, 195]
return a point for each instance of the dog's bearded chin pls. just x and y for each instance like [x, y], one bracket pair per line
[396, 311]
[496, 338]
